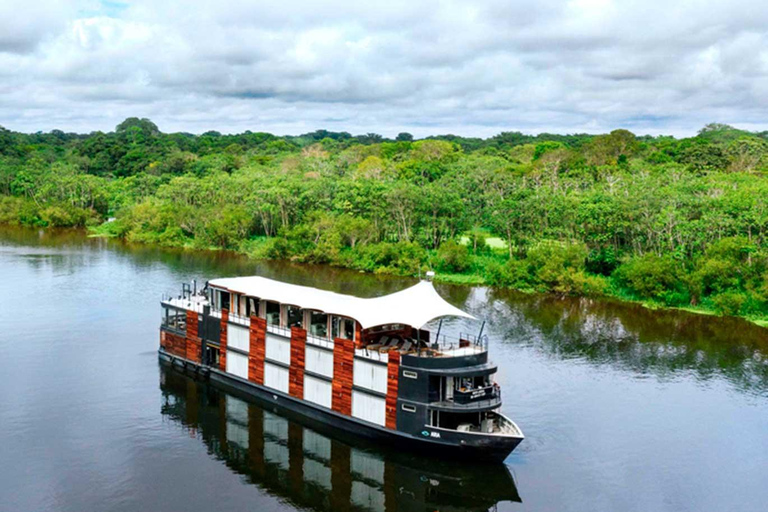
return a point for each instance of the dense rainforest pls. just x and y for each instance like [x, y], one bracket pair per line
[670, 222]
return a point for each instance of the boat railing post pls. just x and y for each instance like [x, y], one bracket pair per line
[480, 334]
[418, 340]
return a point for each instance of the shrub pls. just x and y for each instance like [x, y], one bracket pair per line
[400, 257]
[512, 274]
[649, 276]
[581, 283]
[729, 303]
[67, 216]
[553, 264]
[9, 209]
[453, 257]
[602, 261]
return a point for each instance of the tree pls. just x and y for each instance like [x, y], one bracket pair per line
[143, 124]
[608, 149]
[404, 137]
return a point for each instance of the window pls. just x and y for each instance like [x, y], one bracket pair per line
[225, 300]
[273, 313]
[342, 328]
[410, 374]
[318, 325]
[252, 307]
[409, 408]
[349, 329]
[295, 316]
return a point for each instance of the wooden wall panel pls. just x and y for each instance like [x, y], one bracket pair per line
[223, 340]
[173, 343]
[393, 374]
[258, 339]
[343, 364]
[194, 345]
[296, 371]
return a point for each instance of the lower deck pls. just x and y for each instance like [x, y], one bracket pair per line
[436, 441]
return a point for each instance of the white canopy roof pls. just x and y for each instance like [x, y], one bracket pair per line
[414, 306]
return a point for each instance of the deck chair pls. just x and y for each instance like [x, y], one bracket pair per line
[379, 343]
[392, 343]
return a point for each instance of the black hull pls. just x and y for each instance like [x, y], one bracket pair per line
[454, 445]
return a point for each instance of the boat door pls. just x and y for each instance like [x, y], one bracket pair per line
[449, 388]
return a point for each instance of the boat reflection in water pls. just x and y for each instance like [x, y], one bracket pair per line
[309, 469]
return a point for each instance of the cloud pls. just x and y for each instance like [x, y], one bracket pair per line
[473, 68]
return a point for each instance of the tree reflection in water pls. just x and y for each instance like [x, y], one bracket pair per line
[634, 338]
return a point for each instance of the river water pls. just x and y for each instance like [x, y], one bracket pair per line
[624, 409]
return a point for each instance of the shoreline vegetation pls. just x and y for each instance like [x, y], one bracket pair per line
[665, 222]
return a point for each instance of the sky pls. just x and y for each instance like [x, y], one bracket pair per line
[472, 68]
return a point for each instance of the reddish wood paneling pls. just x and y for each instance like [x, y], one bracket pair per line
[296, 370]
[343, 364]
[393, 374]
[258, 348]
[173, 343]
[223, 340]
[194, 345]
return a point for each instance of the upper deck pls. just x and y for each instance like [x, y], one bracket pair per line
[378, 326]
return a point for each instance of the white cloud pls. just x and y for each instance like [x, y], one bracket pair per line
[473, 68]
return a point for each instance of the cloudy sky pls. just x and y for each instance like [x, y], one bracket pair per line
[464, 67]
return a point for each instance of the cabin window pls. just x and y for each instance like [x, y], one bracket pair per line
[174, 318]
[410, 374]
[342, 328]
[273, 313]
[252, 307]
[409, 408]
[349, 329]
[318, 324]
[295, 316]
[224, 300]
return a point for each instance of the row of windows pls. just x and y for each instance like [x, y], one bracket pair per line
[317, 324]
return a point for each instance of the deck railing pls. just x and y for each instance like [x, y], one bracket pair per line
[473, 395]
[238, 319]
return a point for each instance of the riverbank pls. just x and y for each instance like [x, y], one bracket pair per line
[555, 268]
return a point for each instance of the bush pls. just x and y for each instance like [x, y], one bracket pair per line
[553, 264]
[512, 274]
[400, 257]
[9, 209]
[581, 283]
[729, 303]
[453, 257]
[67, 216]
[602, 261]
[650, 276]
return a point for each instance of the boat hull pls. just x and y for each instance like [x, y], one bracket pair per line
[442, 443]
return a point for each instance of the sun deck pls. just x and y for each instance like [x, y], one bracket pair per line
[378, 326]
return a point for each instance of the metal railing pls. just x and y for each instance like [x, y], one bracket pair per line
[238, 319]
[478, 394]
[279, 330]
[445, 345]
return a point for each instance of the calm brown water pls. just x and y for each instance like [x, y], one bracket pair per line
[623, 408]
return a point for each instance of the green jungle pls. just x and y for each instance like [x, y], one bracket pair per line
[668, 222]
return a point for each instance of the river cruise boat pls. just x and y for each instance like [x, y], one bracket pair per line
[367, 366]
